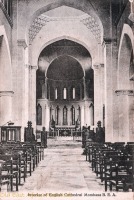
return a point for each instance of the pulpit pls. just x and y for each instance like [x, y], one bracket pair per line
[10, 133]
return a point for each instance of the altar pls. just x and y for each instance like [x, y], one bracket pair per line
[65, 131]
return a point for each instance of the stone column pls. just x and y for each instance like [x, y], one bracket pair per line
[5, 106]
[131, 116]
[110, 72]
[27, 70]
[102, 86]
[125, 101]
[47, 117]
[91, 115]
[42, 103]
[82, 115]
[98, 108]
[44, 88]
[85, 93]
[32, 102]
[20, 97]
[86, 112]
[69, 116]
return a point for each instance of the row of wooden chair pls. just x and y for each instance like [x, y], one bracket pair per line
[17, 161]
[113, 163]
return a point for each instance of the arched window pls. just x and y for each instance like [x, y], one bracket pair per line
[52, 93]
[48, 91]
[39, 89]
[82, 90]
[73, 93]
[39, 114]
[73, 115]
[79, 113]
[65, 115]
[78, 92]
[57, 115]
[65, 93]
[56, 93]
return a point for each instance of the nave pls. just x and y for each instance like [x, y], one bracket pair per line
[63, 169]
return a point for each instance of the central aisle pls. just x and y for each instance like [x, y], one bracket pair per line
[63, 169]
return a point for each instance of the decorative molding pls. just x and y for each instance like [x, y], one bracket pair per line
[34, 67]
[98, 66]
[91, 24]
[42, 20]
[6, 93]
[6, 14]
[125, 92]
[27, 1]
[102, 65]
[107, 41]
[37, 25]
[22, 43]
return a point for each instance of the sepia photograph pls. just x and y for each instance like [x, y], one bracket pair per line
[67, 99]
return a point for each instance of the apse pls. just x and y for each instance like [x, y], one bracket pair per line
[65, 68]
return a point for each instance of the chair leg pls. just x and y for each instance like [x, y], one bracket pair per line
[16, 182]
[110, 186]
[105, 185]
[11, 180]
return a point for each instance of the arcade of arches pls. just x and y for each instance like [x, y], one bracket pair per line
[68, 62]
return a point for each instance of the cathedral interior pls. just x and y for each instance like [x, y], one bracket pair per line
[67, 67]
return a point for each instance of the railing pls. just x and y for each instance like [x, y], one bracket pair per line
[51, 134]
[77, 135]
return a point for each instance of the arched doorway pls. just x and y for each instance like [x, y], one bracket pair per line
[67, 84]
[125, 86]
[6, 92]
[65, 29]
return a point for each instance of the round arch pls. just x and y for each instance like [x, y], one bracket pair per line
[125, 85]
[126, 48]
[5, 79]
[84, 6]
[73, 58]
[5, 62]
[75, 34]
[45, 60]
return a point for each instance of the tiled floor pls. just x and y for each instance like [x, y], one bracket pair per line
[64, 170]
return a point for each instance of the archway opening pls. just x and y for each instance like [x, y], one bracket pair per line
[125, 86]
[64, 83]
[5, 82]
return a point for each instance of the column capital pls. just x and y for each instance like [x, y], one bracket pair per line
[6, 93]
[22, 42]
[125, 92]
[27, 66]
[34, 67]
[109, 41]
[98, 66]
